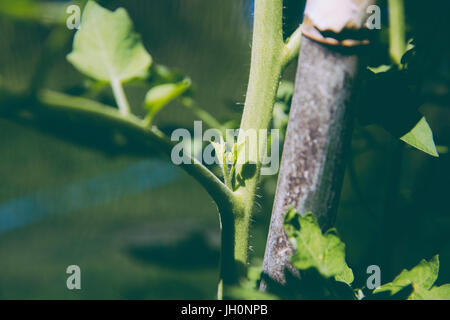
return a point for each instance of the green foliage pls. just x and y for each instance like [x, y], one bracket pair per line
[222, 155]
[391, 100]
[322, 272]
[159, 96]
[325, 252]
[380, 69]
[319, 260]
[228, 163]
[285, 92]
[106, 48]
[421, 278]
[421, 138]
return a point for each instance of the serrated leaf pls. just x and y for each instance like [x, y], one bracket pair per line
[106, 48]
[325, 252]
[436, 293]
[159, 96]
[422, 277]
[421, 137]
[441, 292]
[424, 274]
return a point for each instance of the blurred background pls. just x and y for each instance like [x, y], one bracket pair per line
[138, 226]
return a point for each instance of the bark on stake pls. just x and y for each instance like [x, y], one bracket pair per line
[320, 122]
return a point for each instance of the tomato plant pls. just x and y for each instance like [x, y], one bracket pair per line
[109, 53]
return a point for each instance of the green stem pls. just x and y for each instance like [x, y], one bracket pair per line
[270, 55]
[121, 99]
[134, 126]
[397, 34]
[267, 62]
[292, 47]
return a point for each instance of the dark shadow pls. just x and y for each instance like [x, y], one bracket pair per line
[192, 252]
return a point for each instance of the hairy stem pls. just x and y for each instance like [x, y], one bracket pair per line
[265, 70]
[270, 55]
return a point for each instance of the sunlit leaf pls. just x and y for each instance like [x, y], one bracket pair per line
[345, 276]
[325, 252]
[159, 96]
[106, 48]
[435, 293]
[421, 137]
[380, 69]
[421, 277]
[424, 274]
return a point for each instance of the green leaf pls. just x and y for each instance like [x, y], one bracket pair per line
[221, 151]
[424, 274]
[285, 91]
[106, 48]
[421, 137]
[159, 96]
[436, 293]
[345, 276]
[402, 293]
[422, 277]
[325, 252]
[237, 147]
[380, 69]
